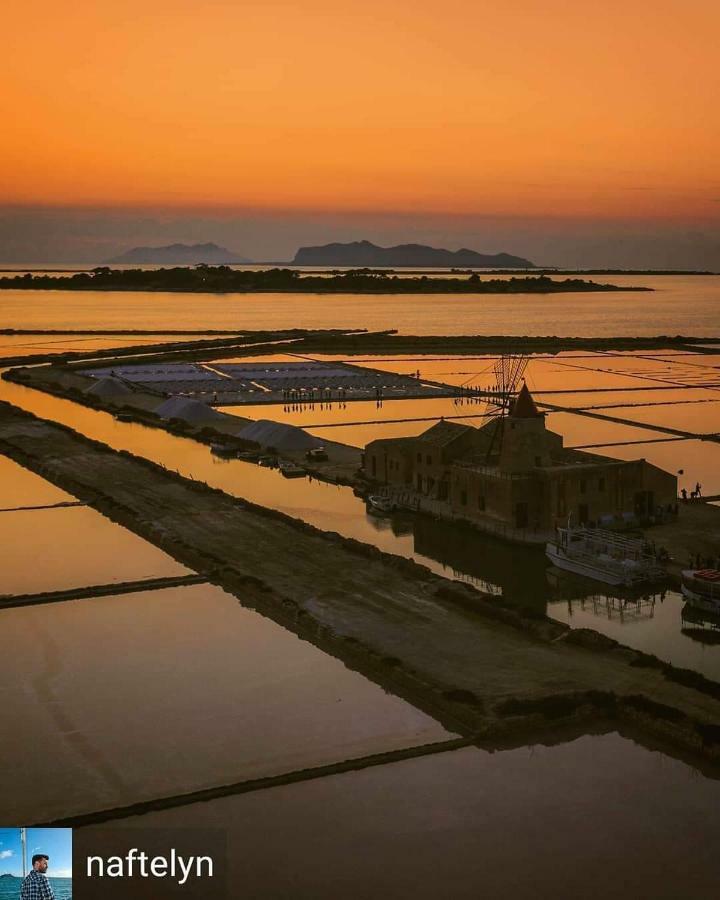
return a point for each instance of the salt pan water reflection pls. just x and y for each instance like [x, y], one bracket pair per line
[596, 817]
[41, 344]
[168, 691]
[18, 487]
[57, 549]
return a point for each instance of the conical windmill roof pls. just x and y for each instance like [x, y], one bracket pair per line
[524, 406]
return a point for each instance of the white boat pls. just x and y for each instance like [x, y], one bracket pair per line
[604, 556]
[701, 587]
[379, 505]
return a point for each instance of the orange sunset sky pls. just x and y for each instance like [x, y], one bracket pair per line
[582, 110]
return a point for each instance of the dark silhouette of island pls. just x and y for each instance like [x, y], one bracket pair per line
[223, 279]
[363, 253]
[179, 254]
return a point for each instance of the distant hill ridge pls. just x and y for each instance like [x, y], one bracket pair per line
[179, 254]
[364, 253]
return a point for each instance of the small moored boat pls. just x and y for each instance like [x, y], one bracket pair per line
[291, 470]
[225, 451]
[701, 587]
[317, 454]
[379, 505]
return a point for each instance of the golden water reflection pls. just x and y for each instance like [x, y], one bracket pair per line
[57, 549]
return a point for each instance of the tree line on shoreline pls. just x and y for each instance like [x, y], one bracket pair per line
[224, 279]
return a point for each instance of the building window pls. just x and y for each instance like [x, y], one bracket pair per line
[428, 459]
[538, 460]
[373, 466]
[481, 502]
[463, 497]
[601, 485]
[419, 457]
[583, 486]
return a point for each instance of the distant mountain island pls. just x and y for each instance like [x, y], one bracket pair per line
[364, 253]
[179, 254]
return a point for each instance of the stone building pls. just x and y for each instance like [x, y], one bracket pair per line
[514, 472]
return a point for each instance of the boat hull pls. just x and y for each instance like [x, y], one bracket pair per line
[699, 600]
[562, 561]
[379, 506]
[293, 472]
[700, 592]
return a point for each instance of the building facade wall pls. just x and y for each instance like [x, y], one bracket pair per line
[538, 498]
[477, 494]
[387, 463]
[601, 492]
[526, 444]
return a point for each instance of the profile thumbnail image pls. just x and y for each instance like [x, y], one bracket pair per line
[35, 863]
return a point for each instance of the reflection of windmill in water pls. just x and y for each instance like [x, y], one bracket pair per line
[508, 371]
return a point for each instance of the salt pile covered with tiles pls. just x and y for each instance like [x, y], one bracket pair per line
[279, 435]
[109, 388]
[192, 411]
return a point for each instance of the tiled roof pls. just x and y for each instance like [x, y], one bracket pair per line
[443, 433]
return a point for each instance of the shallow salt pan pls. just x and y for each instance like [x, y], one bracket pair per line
[19, 487]
[132, 697]
[596, 817]
[57, 549]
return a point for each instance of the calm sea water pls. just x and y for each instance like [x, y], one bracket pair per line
[679, 304]
[10, 888]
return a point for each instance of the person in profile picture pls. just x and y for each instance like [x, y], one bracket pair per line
[35, 885]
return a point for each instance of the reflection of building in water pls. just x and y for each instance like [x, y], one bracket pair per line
[514, 474]
[620, 604]
[491, 565]
[487, 587]
[624, 609]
